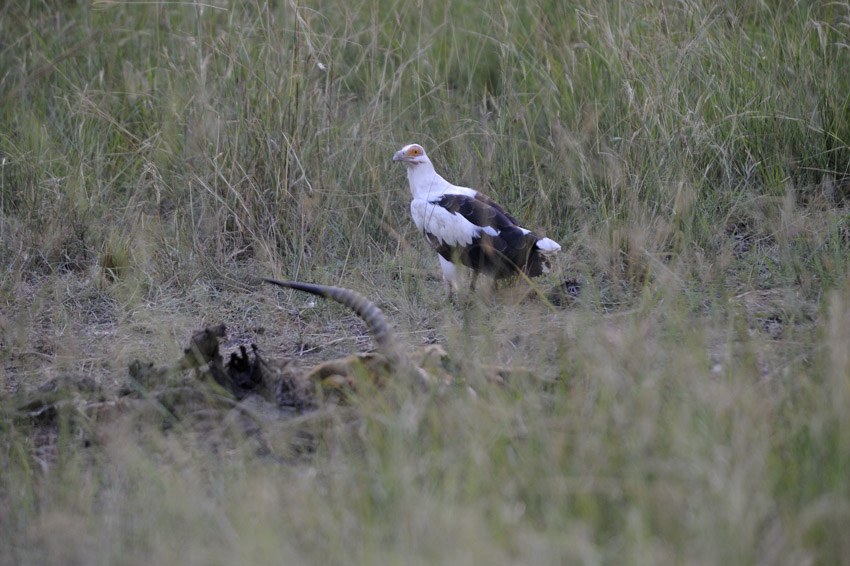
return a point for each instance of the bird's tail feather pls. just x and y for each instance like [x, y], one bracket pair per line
[547, 246]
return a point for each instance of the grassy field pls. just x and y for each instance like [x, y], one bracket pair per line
[692, 158]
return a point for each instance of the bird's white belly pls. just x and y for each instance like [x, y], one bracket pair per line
[453, 229]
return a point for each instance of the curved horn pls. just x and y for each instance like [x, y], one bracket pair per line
[363, 307]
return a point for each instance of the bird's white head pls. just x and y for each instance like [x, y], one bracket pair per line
[413, 154]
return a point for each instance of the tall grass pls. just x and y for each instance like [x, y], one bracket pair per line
[692, 157]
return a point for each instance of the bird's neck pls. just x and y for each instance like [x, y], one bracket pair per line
[424, 180]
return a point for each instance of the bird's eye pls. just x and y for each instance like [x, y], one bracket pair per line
[414, 151]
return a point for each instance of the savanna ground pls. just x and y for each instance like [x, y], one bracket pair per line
[692, 158]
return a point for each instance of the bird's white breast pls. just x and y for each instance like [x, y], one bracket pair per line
[453, 229]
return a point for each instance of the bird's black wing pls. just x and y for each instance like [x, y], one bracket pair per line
[479, 210]
[509, 250]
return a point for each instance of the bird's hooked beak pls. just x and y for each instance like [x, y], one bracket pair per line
[411, 155]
